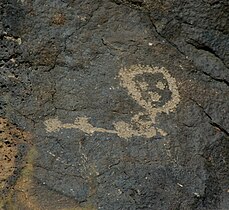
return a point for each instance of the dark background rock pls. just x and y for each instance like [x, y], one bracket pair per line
[62, 58]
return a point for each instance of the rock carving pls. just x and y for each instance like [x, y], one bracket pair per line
[139, 125]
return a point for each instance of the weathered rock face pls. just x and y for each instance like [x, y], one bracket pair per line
[126, 101]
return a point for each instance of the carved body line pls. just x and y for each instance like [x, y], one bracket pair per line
[81, 123]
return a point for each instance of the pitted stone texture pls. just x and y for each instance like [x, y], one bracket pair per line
[67, 66]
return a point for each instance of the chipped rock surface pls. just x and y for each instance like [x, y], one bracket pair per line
[114, 104]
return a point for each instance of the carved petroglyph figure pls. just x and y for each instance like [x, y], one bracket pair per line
[142, 123]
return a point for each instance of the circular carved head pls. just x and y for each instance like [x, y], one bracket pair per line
[153, 88]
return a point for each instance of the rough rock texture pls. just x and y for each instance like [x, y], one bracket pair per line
[13, 147]
[125, 104]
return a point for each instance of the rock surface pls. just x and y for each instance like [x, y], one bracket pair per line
[114, 104]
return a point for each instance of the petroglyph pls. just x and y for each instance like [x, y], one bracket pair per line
[142, 123]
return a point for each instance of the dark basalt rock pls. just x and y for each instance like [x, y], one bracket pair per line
[102, 137]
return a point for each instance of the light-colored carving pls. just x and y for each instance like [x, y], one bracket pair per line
[81, 123]
[137, 126]
[160, 85]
